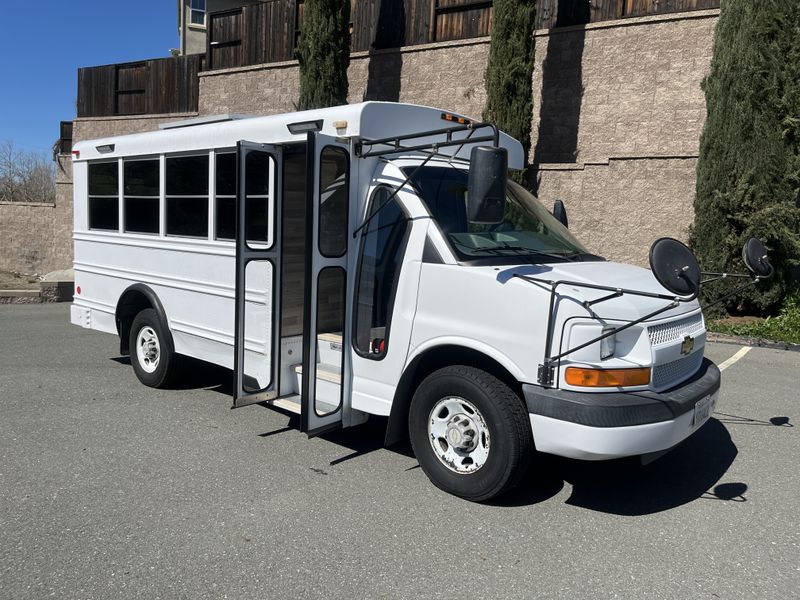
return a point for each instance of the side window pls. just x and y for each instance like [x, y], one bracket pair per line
[187, 196]
[104, 196]
[141, 199]
[226, 196]
[198, 10]
[382, 249]
[334, 192]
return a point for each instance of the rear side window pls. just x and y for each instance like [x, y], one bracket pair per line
[382, 250]
[104, 196]
[141, 199]
[187, 196]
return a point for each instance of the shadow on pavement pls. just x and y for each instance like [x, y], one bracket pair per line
[625, 487]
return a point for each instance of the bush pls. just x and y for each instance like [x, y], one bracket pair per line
[509, 97]
[324, 53]
[748, 173]
[784, 328]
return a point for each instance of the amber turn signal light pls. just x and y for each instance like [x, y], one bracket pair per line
[607, 377]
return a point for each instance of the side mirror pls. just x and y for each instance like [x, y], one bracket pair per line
[486, 191]
[560, 212]
[756, 259]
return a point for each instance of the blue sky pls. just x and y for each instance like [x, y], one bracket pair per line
[44, 43]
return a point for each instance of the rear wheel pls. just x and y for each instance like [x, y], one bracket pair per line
[152, 353]
[470, 432]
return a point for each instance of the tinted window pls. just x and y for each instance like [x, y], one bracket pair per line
[334, 193]
[103, 206]
[382, 249]
[256, 189]
[187, 196]
[226, 196]
[141, 200]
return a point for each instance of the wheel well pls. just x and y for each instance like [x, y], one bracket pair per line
[134, 300]
[425, 364]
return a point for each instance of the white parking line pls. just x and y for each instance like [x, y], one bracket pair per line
[744, 350]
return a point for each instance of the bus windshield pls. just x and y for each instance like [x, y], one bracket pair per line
[527, 231]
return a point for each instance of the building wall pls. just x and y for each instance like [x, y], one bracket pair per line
[37, 237]
[618, 113]
[446, 74]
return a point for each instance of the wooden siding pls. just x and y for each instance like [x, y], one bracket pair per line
[158, 86]
[563, 13]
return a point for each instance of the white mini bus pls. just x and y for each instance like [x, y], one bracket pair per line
[374, 259]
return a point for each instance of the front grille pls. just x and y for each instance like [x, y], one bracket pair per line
[672, 373]
[666, 333]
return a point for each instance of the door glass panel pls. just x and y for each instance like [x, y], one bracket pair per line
[258, 212]
[333, 196]
[330, 325]
[258, 324]
[382, 249]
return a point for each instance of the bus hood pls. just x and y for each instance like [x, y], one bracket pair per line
[617, 275]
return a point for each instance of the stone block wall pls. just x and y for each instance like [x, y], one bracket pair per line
[37, 237]
[446, 75]
[618, 115]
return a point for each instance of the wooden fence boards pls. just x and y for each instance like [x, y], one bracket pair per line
[158, 86]
[563, 13]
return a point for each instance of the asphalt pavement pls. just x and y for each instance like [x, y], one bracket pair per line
[109, 489]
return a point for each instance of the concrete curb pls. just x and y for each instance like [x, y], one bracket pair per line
[724, 338]
[49, 291]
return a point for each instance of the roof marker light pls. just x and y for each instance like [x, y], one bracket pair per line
[305, 127]
[457, 119]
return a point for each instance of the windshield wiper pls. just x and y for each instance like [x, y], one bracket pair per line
[571, 256]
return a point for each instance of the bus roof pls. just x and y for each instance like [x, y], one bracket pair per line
[368, 120]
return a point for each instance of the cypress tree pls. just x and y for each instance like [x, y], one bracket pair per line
[324, 53]
[509, 94]
[748, 173]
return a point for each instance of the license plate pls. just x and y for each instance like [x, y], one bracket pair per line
[703, 410]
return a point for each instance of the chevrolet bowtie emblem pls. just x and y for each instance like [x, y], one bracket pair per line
[688, 345]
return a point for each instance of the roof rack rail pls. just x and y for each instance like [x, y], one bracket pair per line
[203, 121]
[395, 147]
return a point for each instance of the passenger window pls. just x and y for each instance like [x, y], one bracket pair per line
[333, 197]
[382, 249]
[104, 196]
[226, 196]
[187, 196]
[141, 196]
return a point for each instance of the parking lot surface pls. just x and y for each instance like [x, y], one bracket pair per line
[109, 489]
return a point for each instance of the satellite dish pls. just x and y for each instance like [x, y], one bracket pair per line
[675, 266]
[755, 257]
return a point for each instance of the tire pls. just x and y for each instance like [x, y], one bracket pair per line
[152, 352]
[492, 428]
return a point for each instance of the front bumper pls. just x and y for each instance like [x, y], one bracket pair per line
[601, 426]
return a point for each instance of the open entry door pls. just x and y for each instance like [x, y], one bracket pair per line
[257, 295]
[326, 336]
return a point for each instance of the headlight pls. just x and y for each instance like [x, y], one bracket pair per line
[608, 345]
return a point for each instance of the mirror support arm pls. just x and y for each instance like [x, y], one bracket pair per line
[546, 375]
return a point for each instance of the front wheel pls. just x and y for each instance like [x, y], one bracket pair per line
[470, 433]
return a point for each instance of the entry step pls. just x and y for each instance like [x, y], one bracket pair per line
[325, 372]
[288, 403]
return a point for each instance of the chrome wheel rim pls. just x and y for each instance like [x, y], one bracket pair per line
[458, 435]
[148, 349]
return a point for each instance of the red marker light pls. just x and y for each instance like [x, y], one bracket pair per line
[76, 153]
[78, 290]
